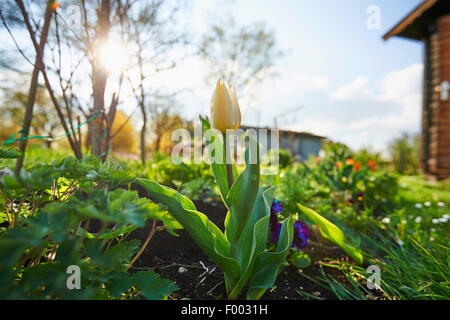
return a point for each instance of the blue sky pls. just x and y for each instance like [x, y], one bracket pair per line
[353, 86]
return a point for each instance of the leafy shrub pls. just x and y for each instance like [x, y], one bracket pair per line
[175, 175]
[285, 157]
[47, 217]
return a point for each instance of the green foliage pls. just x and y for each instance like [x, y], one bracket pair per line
[300, 260]
[177, 176]
[285, 157]
[10, 153]
[48, 211]
[340, 181]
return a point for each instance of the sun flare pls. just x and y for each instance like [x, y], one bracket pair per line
[113, 55]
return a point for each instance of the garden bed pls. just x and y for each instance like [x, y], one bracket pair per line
[181, 260]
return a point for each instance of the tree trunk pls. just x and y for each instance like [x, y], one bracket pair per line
[41, 66]
[142, 101]
[33, 87]
[99, 78]
[157, 143]
[143, 132]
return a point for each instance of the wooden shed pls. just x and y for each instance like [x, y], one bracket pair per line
[301, 144]
[430, 23]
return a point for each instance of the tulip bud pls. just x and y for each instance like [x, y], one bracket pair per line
[225, 113]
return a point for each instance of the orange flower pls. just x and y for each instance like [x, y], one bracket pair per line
[349, 161]
[357, 166]
[317, 160]
[55, 5]
[372, 165]
[339, 164]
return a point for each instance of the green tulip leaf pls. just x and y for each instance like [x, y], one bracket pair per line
[268, 264]
[204, 232]
[219, 169]
[332, 232]
[246, 184]
[254, 237]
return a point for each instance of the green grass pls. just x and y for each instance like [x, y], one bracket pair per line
[412, 253]
[418, 190]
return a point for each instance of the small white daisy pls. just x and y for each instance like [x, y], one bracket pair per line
[427, 204]
[440, 204]
[435, 221]
[418, 219]
[386, 220]
[418, 205]
[443, 220]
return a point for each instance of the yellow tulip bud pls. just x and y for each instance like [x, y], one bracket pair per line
[225, 112]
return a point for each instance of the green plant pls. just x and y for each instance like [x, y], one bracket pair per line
[240, 251]
[285, 157]
[71, 213]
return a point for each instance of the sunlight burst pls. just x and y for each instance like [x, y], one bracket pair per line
[113, 55]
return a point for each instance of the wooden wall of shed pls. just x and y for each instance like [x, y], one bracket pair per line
[435, 157]
[443, 115]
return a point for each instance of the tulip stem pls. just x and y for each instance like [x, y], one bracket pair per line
[228, 162]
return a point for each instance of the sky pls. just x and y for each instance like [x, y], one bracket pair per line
[346, 83]
[350, 85]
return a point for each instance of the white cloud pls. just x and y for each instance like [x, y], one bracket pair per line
[401, 88]
[297, 83]
[323, 127]
[354, 90]
[401, 84]
[399, 96]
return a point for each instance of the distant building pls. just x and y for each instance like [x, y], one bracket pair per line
[301, 144]
[430, 23]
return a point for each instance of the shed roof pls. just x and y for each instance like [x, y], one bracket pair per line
[301, 133]
[414, 25]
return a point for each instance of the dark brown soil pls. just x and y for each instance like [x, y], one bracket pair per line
[180, 260]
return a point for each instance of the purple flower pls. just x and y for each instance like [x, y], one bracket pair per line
[275, 232]
[275, 226]
[301, 230]
[276, 207]
[301, 234]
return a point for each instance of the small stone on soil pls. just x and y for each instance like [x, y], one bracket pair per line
[182, 270]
